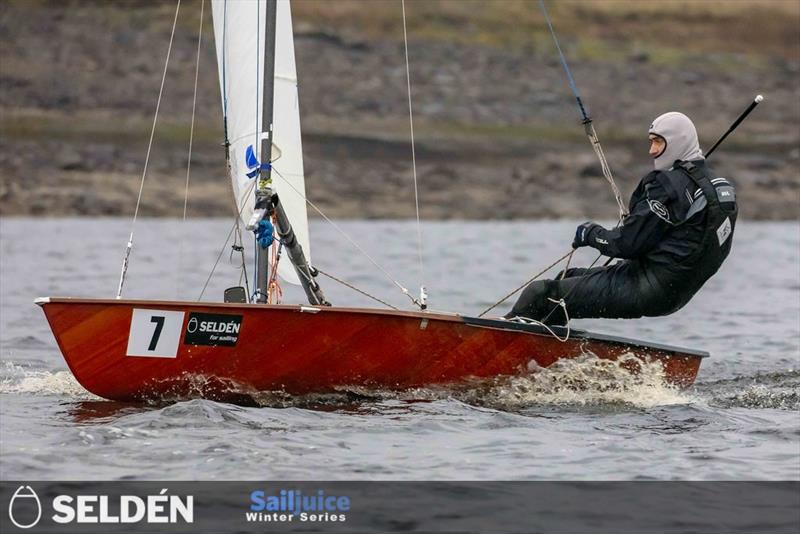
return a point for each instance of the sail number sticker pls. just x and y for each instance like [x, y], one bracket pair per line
[212, 329]
[155, 333]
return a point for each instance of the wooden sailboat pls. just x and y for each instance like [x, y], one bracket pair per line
[129, 350]
[125, 349]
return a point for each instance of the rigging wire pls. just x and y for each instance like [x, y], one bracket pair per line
[348, 238]
[606, 169]
[587, 121]
[563, 299]
[405, 291]
[234, 228]
[191, 141]
[238, 244]
[540, 273]
[354, 288]
[124, 271]
[219, 257]
[422, 294]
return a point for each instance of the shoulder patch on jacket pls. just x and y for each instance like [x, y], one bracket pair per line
[660, 210]
[672, 182]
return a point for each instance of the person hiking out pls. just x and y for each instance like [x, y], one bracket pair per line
[679, 232]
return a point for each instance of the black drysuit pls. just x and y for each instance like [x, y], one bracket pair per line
[677, 235]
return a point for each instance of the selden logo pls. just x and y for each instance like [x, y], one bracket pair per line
[292, 505]
[212, 329]
[25, 509]
[161, 508]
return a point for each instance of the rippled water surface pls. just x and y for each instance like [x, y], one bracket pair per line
[740, 420]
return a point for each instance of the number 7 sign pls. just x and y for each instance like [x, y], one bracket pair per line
[155, 333]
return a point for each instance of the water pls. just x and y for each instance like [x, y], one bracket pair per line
[740, 421]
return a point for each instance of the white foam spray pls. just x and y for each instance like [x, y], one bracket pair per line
[587, 380]
[21, 380]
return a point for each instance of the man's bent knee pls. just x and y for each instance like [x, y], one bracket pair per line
[533, 302]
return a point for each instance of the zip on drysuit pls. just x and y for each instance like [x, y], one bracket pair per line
[679, 232]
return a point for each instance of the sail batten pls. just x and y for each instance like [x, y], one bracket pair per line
[240, 33]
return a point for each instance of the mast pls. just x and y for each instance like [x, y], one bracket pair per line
[264, 187]
[267, 202]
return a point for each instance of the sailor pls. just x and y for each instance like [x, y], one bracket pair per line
[677, 235]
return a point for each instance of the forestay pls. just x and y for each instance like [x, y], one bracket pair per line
[239, 29]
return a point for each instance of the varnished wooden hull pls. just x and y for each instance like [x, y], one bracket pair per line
[299, 349]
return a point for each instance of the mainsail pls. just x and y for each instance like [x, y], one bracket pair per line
[239, 29]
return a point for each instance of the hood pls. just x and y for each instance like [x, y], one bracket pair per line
[679, 132]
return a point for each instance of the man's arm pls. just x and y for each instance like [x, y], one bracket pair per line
[649, 220]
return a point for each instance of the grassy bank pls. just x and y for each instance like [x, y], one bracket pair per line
[602, 29]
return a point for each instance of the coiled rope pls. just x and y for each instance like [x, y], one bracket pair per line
[527, 320]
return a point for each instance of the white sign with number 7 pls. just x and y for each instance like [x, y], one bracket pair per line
[155, 333]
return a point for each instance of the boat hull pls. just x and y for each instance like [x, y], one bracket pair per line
[131, 350]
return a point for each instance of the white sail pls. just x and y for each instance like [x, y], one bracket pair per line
[239, 28]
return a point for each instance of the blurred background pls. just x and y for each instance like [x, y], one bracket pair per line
[498, 132]
[499, 137]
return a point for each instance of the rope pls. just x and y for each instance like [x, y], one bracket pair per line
[623, 209]
[581, 279]
[566, 267]
[239, 245]
[354, 288]
[587, 120]
[214, 268]
[124, 271]
[414, 162]
[237, 215]
[273, 285]
[496, 304]
[235, 227]
[570, 79]
[348, 238]
[526, 320]
[191, 141]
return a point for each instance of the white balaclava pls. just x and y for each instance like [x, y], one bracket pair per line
[678, 131]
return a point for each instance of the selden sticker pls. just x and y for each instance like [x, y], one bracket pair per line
[212, 329]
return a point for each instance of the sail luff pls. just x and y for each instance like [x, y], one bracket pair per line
[288, 177]
[240, 42]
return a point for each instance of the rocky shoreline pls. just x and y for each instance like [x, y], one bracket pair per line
[498, 134]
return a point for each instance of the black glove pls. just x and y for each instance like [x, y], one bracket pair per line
[583, 233]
